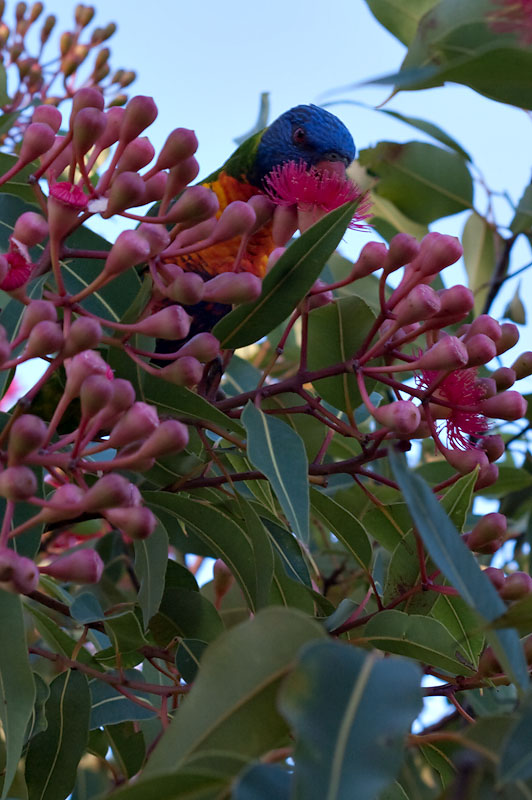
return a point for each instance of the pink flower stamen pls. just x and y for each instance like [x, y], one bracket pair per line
[460, 388]
[70, 195]
[19, 272]
[294, 183]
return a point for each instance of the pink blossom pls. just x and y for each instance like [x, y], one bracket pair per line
[294, 183]
[462, 389]
[19, 272]
[70, 195]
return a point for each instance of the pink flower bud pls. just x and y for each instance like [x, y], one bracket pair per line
[18, 574]
[171, 322]
[127, 191]
[186, 371]
[155, 187]
[509, 337]
[123, 396]
[263, 208]
[285, 224]
[27, 434]
[48, 115]
[30, 228]
[65, 203]
[496, 576]
[95, 393]
[87, 97]
[437, 252]
[64, 155]
[516, 586]
[139, 114]
[373, 256]
[320, 298]
[448, 353]
[45, 338]
[196, 233]
[204, 346]
[65, 503]
[137, 423]
[465, 461]
[36, 311]
[180, 176]
[88, 125]
[504, 378]
[38, 139]
[276, 254]
[421, 303]
[488, 534]
[489, 664]
[493, 446]
[156, 235]
[487, 325]
[509, 406]
[180, 145]
[137, 523]
[111, 133]
[195, 205]
[403, 249]
[85, 333]
[81, 566]
[17, 483]
[402, 417]
[457, 301]
[186, 288]
[129, 250]
[522, 366]
[79, 367]
[110, 491]
[232, 287]
[4, 268]
[480, 348]
[136, 155]
[171, 436]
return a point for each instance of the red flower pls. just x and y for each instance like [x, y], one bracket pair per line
[512, 16]
[294, 183]
[19, 272]
[70, 195]
[462, 389]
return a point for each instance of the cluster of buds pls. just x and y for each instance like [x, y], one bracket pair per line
[43, 78]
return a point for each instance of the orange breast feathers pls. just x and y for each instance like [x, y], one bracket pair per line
[221, 257]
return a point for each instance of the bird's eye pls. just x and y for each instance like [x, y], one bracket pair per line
[299, 135]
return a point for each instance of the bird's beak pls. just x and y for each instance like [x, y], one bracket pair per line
[336, 167]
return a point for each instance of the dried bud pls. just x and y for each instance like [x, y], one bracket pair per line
[44, 339]
[28, 433]
[18, 574]
[140, 112]
[171, 322]
[17, 483]
[85, 333]
[138, 422]
[30, 228]
[509, 406]
[402, 417]
[129, 250]
[523, 365]
[186, 371]
[186, 288]
[83, 15]
[81, 566]
[110, 491]
[232, 287]
[47, 28]
[421, 303]
[448, 353]
[480, 349]
[48, 115]
[136, 155]
[516, 586]
[137, 523]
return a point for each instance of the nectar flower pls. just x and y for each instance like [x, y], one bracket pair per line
[19, 272]
[294, 183]
[70, 195]
[460, 388]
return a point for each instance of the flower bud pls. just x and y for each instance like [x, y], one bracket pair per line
[421, 303]
[85, 333]
[45, 338]
[36, 311]
[28, 433]
[493, 446]
[319, 299]
[180, 176]
[139, 114]
[402, 417]
[127, 191]
[136, 155]
[437, 251]
[38, 139]
[110, 135]
[457, 301]
[263, 209]
[486, 325]
[232, 287]
[180, 145]
[88, 125]
[196, 233]
[81, 566]
[516, 586]
[137, 523]
[489, 664]
[65, 203]
[465, 461]
[88, 97]
[95, 393]
[274, 256]
[138, 422]
[186, 371]
[79, 367]
[30, 229]
[509, 406]
[448, 353]
[129, 249]
[171, 436]
[18, 574]
[509, 337]
[195, 205]
[59, 158]
[204, 346]
[480, 349]
[110, 491]
[488, 534]
[171, 322]
[17, 483]
[285, 224]
[403, 248]
[496, 576]
[504, 378]
[123, 396]
[155, 187]
[186, 288]
[156, 235]
[65, 503]
[522, 366]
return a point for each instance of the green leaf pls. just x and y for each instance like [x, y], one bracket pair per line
[462, 624]
[261, 781]
[4, 97]
[225, 538]
[458, 565]
[183, 786]
[277, 451]
[345, 527]
[54, 754]
[151, 556]
[481, 242]
[400, 17]
[185, 613]
[518, 615]
[288, 549]
[350, 739]
[18, 186]
[422, 180]
[37, 721]
[516, 758]
[237, 686]
[388, 220]
[110, 707]
[126, 636]
[421, 638]
[287, 283]
[388, 524]
[522, 220]
[333, 339]
[458, 499]
[128, 747]
[188, 656]
[515, 309]
[17, 687]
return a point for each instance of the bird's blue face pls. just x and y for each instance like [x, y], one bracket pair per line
[305, 133]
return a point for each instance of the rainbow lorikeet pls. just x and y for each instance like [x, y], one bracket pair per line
[306, 134]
